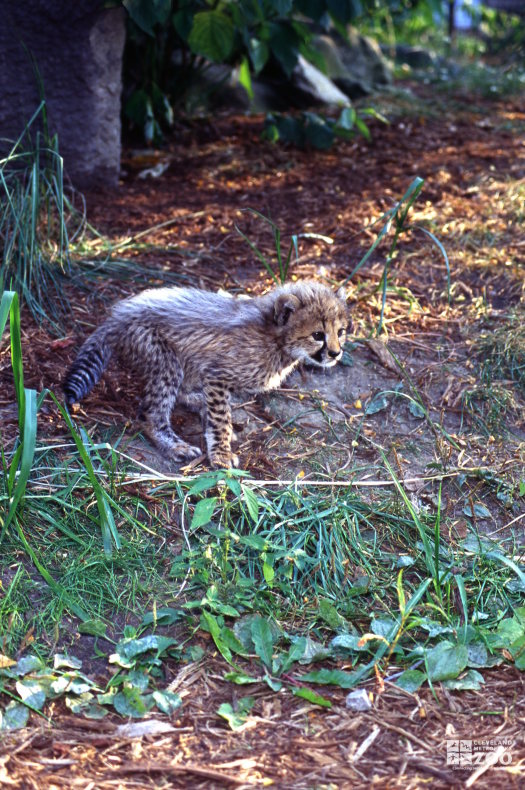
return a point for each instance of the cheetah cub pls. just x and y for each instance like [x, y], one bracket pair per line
[196, 348]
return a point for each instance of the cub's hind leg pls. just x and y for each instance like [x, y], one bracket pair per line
[164, 376]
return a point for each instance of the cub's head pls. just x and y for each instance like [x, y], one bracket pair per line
[313, 321]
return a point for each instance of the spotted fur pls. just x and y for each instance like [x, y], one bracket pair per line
[196, 348]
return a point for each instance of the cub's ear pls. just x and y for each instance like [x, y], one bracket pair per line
[284, 306]
[341, 293]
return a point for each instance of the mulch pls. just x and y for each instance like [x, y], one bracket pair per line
[405, 740]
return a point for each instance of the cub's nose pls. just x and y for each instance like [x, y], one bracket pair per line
[333, 354]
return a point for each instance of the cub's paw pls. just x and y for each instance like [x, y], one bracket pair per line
[222, 459]
[182, 451]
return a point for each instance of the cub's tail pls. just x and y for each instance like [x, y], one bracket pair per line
[88, 367]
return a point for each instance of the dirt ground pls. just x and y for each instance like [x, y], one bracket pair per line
[471, 155]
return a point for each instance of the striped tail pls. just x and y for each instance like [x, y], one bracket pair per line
[88, 367]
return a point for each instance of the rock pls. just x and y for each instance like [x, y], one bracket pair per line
[356, 66]
[311, 81]
[358, 700]
[415, 57]
[73, 53]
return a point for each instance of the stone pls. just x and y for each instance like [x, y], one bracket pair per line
[356, 66]
[69, 53]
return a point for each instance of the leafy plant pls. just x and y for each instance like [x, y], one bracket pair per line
[309, 129]
[169, 41]
[34, 222]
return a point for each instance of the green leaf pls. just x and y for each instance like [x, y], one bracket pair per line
[411, 680]
[446, 661]
[348, 642]
[84, 706]
[28, 664]
[243, 631]
[203, 512]
[245, 78]
[240, 678]
[330, 677]
[128, 649]
[235, 645]
[31, 692]
[517, 651]
[164, 616]
[14, 717]
[284, 43]
[329, 614]
[208, 620]
[318, 132]
[167, 701]
[347, 119]
[479, 511]
[93, 627]
[312, 697]
[61, 660]
[344, 10]
[252, 503]
[236, 718]
[263, 640]
[295, 653]
[130, 702]
[379, 403]
[416, 410]
[212, 36]
[268, 573]
[259, 54]
[470, 681]
[73, 682]
[183, 22]
[313, 9]
[147, 13]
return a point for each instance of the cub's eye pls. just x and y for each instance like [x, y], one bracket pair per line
[319, 336]
[341, 333]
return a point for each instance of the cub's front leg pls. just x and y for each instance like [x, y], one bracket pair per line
[218, 430]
